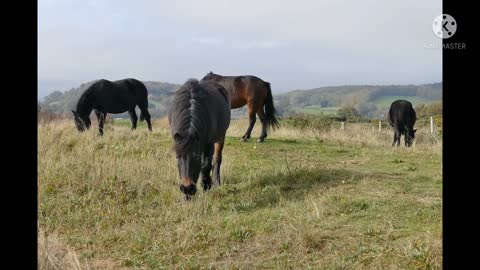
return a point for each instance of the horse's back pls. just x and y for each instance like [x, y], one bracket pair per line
[135, 86]
[118, 96]
[218, 104]
[203, 105]
[218, 96]
[117, 86]
[243, 88]
[401, 113]
[254, 88]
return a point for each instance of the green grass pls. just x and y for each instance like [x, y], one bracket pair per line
[125, 122]
[290, 203]
[386, 101]
[315, 109]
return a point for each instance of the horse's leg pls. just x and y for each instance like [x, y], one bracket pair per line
[394, 137]
[98, 114]
[395, 134]
[263, 120]
[207, 167]
[406, 138]
[133, 118]
[217, 161]
[252, 118]
[398, 135]
[101, 122]
[147, 118]
[144, 114]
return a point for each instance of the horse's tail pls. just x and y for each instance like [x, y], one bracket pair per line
[270, 111]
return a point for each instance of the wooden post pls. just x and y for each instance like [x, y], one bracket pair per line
[380, 125]
[431, 125]
[343, 125]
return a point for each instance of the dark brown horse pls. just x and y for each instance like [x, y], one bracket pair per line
[253, 92]
[199, 118]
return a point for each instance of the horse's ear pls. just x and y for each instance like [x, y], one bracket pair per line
[74, 112]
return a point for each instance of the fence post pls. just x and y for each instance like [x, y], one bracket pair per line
[343, 125]
[380, 125]
[431, 125]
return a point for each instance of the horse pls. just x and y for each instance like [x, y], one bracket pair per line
[199, 118]
[253, 92]
[115, 97]
[402, 117]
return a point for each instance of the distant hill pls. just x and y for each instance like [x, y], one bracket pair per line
[369, 100]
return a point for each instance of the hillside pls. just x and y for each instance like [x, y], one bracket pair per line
[369, 100]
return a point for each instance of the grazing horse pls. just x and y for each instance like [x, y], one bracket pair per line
[402, 117]
[253, 92]
[199, 118]
[112, 97]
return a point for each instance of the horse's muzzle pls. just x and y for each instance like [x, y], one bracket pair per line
[189, 190]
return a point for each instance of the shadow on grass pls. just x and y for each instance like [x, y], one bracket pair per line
[293, 184]
[267, 191]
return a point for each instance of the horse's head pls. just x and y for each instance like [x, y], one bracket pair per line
[189, 158]
[410, 137]
[82, 122]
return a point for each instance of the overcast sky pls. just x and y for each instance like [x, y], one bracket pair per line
[292, 44]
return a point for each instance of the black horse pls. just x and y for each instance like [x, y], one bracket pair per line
[402, 117]
[199, 118]
[112, 97]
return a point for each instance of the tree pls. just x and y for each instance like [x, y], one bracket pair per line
[366, 109]
[349, 113]
[432, 109]
[53, 97]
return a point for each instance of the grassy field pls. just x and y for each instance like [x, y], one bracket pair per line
[125, 122]
[301, 200]
[386, 101]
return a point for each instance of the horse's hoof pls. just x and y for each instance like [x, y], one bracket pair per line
[260, 140]
[188, 190]
[243, 139]
[206, 186]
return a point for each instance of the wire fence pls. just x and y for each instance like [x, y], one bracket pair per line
[425, 126]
